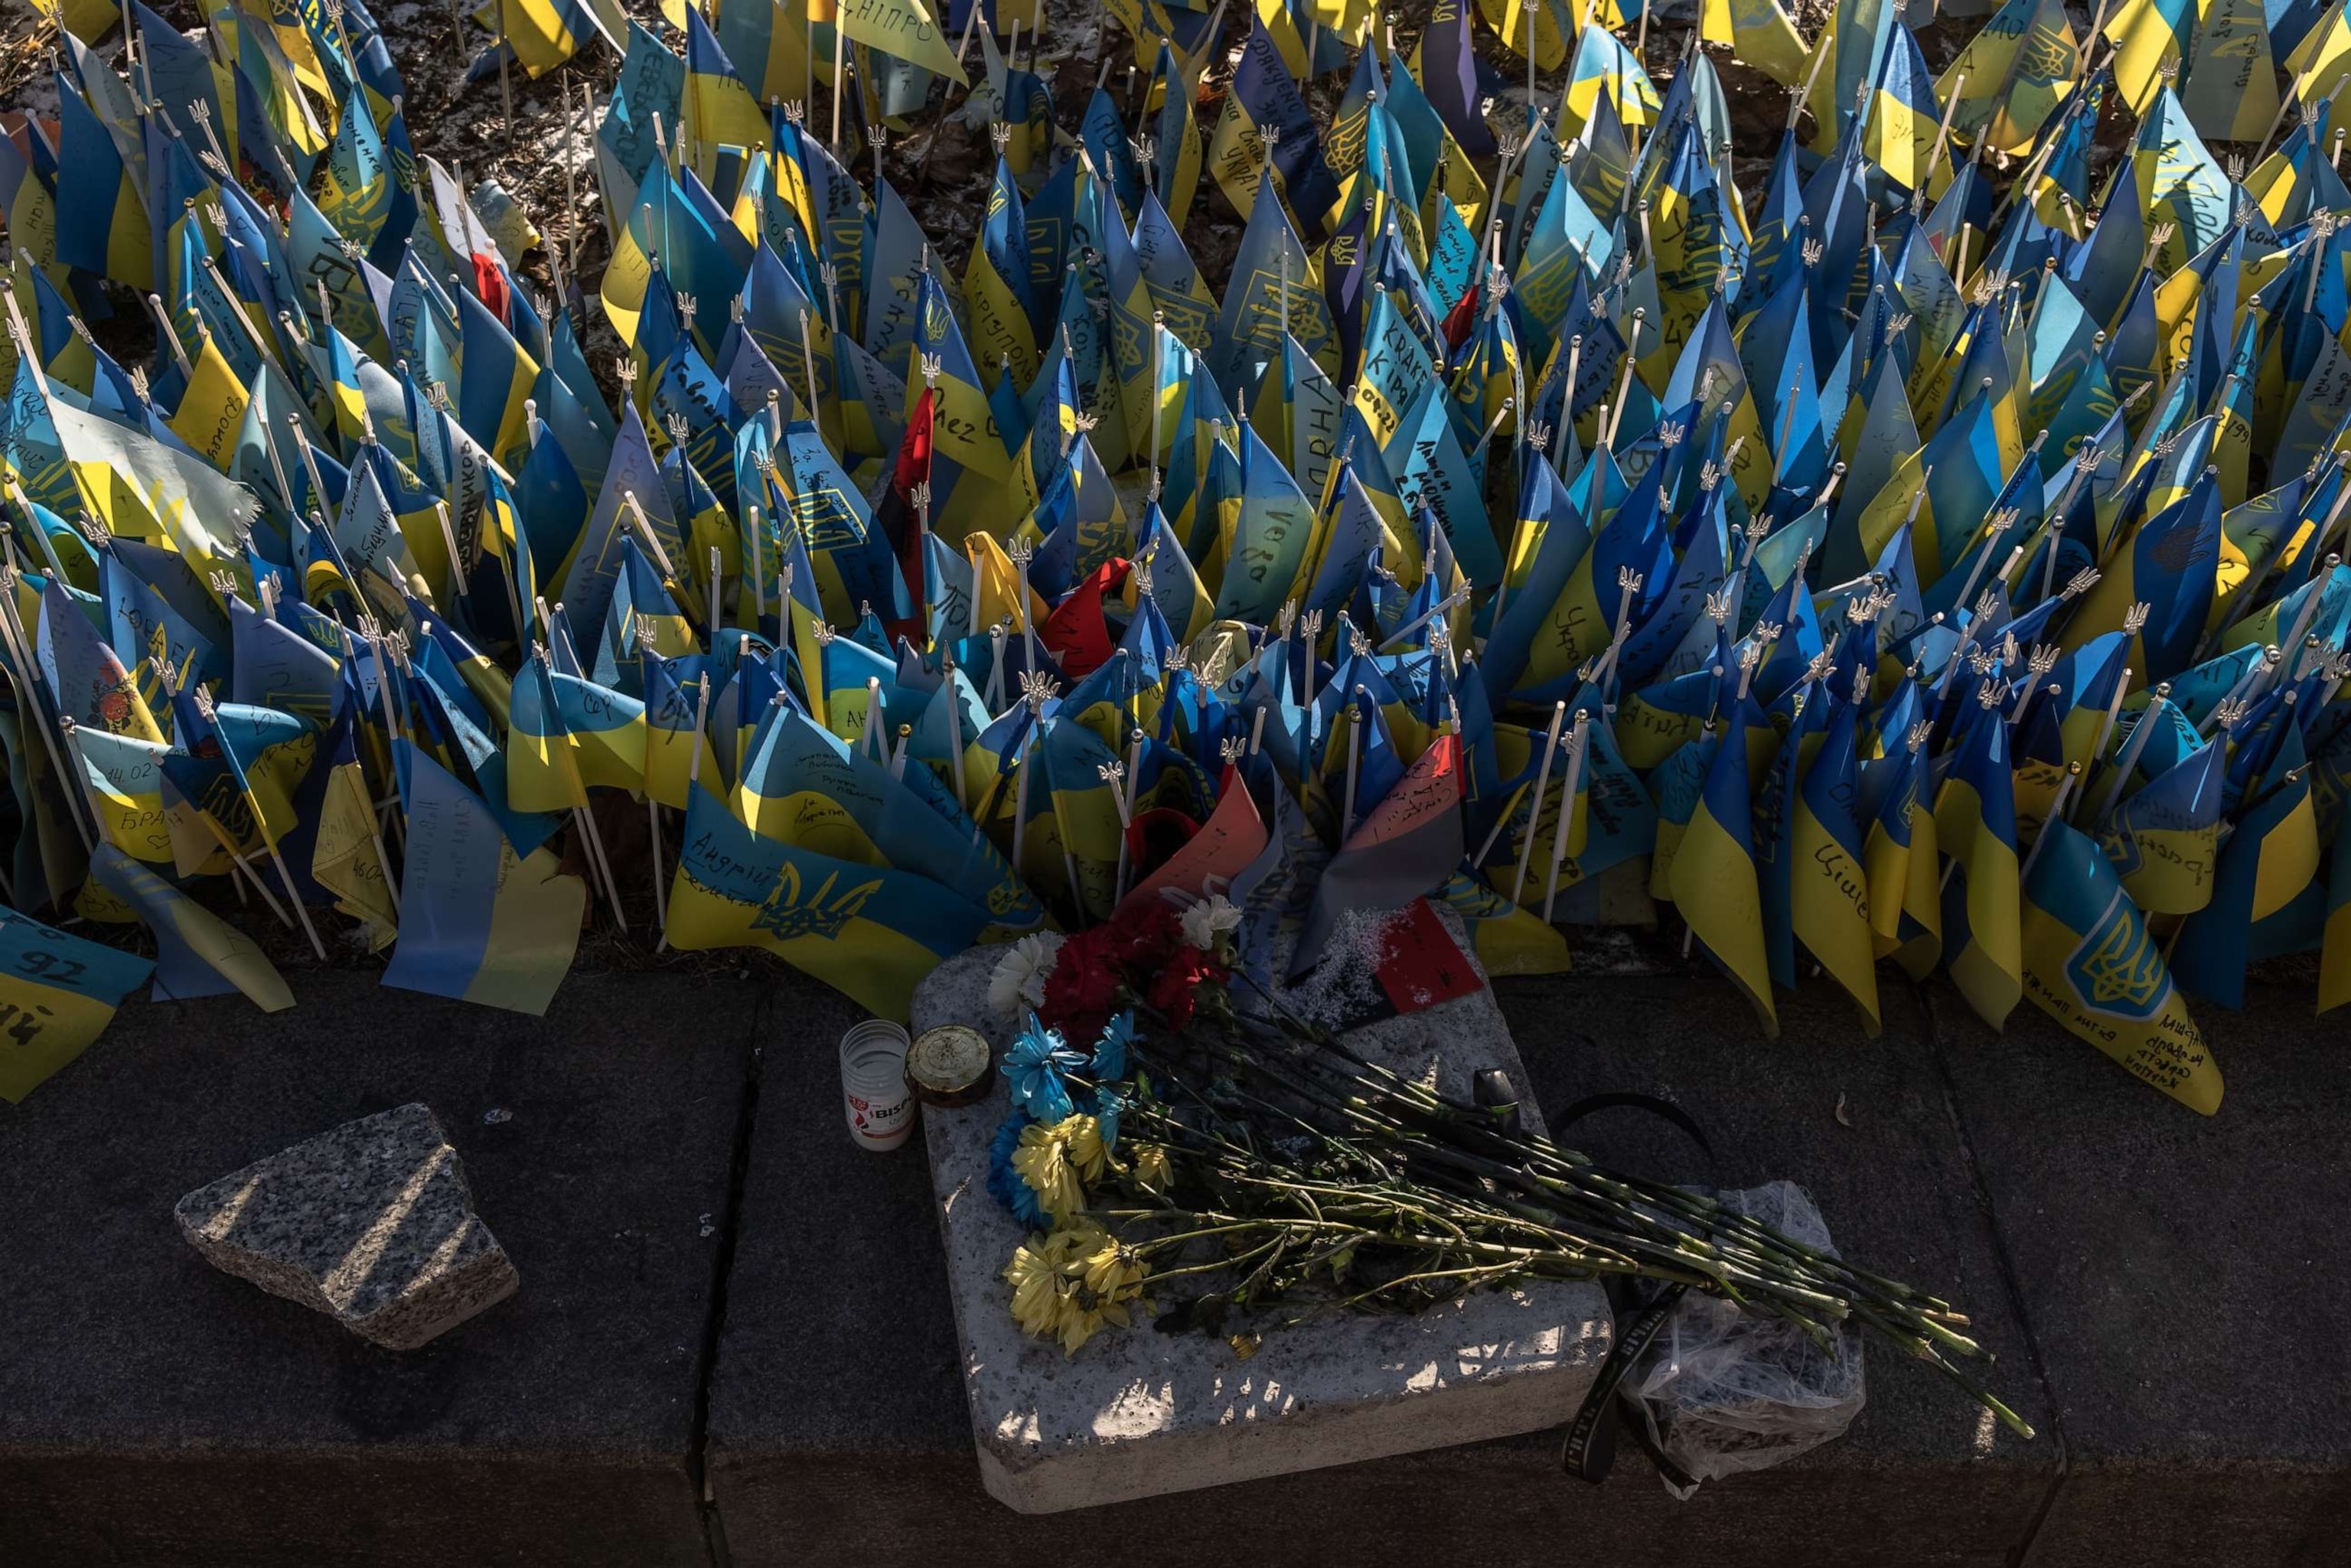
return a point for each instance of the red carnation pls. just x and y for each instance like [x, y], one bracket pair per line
[1082, 990]
[1173, 988]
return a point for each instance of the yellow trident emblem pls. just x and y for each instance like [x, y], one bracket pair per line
[2119, 970]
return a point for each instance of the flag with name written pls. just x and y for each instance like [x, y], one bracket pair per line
[56, 993]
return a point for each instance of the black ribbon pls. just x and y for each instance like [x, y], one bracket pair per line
[1641, 1310]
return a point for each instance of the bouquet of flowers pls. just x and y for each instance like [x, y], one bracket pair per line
[1233, 1173]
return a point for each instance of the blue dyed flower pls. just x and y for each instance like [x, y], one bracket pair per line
[1107, 1105]
[1034, 1067]
[1016, 1195]
[1110, 1052]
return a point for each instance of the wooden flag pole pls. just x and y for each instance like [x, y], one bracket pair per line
[839, 52]
[714, 570]
[20, 654]
[660, 895]
[586, 819]
[758, 580]
[1534, 811]
[456, 561]
[1354, 755]
[693, 782]
[1575, 744]
[571, 189]
[1113, 773]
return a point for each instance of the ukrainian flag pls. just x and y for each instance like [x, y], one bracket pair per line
[499, 929]
[1906, 914]
[104, 228]
[1975, 823]
[124, 776]
[1828, 872]
[57, 993]
[870, 930]
[1713, 877]
[1176, 173]
[543, 34]
[2164, 841]
[344, 857]
[2335, 951]
[2086, 680]
[966, 432]
[1583, 618]
[513, 580]
[2169, 563]
[360, 196]
[717, 109]
[2091, 964]
[1270, 537]
[496, 378]
[807, 787]
[566, 735]
[995, 281]
[197, 954]
[671, 741]
[1900, 128]
[766, 40]
[1184, 603]
[1605, 64]
[2148, 35]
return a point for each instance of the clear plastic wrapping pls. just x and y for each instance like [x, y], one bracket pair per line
[1723, 1390]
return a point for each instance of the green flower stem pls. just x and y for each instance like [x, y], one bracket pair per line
[1393, 1166]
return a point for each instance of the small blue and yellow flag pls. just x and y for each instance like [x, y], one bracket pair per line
[1975, 824]
[1829, 877]
[197, 954]
[1713, 878]
[1906, 914]
[57, 994]
[2271, 857]
[871, 931]
[2091, 964]
[568, 734]
[2164, 840]
[495, 928]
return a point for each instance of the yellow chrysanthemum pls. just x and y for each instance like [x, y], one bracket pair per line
[1051, 1295]
[1043, 1161]
[1153, 1170]
[1087, 1150]
[1045, 1268]
[1081, 1323]
[1035, 1277]
[1114, 1270]
[1086, 1306]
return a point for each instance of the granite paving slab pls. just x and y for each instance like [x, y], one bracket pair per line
[372, 1223]
[2184, 1277]
[156, 1411]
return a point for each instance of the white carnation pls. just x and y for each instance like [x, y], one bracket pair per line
[1205, 919]
[1019, 982]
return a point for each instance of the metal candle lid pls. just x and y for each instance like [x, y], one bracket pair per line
[950, 1065]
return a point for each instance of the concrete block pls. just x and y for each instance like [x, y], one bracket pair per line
[1139, 1413]
[372, 1223]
